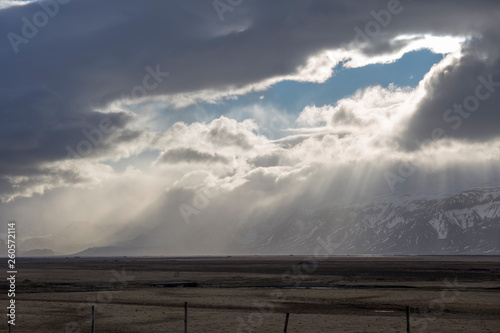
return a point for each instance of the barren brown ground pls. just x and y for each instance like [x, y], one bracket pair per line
[252, 294]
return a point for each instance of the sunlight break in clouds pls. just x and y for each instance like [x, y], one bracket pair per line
[9, 3]
[213, 117]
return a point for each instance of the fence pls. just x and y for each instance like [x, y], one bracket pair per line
[285, 329]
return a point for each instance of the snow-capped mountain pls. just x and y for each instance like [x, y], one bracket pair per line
[465, 223]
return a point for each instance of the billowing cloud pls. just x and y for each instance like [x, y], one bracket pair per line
[190, 155]
[461, 101]
[77, 75]
[10, 3]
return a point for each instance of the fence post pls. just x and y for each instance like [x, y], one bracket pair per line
[185, 317]
[286, 322]
[93, 319]
[407, 319]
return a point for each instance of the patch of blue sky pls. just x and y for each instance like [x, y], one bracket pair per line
[407, 71]
[292, 97]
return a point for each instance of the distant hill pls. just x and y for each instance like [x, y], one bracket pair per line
[37, 253]
[35, 243]
[114, 251]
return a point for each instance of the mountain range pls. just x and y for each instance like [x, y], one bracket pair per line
[463, 223]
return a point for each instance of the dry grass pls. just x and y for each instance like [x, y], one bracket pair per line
[56, 295]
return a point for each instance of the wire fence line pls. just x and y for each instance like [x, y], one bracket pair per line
[92, 321]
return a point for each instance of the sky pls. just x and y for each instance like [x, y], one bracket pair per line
[176, 113]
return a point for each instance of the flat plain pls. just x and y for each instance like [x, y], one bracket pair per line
[253, 294]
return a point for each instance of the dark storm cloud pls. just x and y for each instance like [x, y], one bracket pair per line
[345, 116]
[266, 161]
[89, 53]
[462, 102]
[221, 136]
[189, 155]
